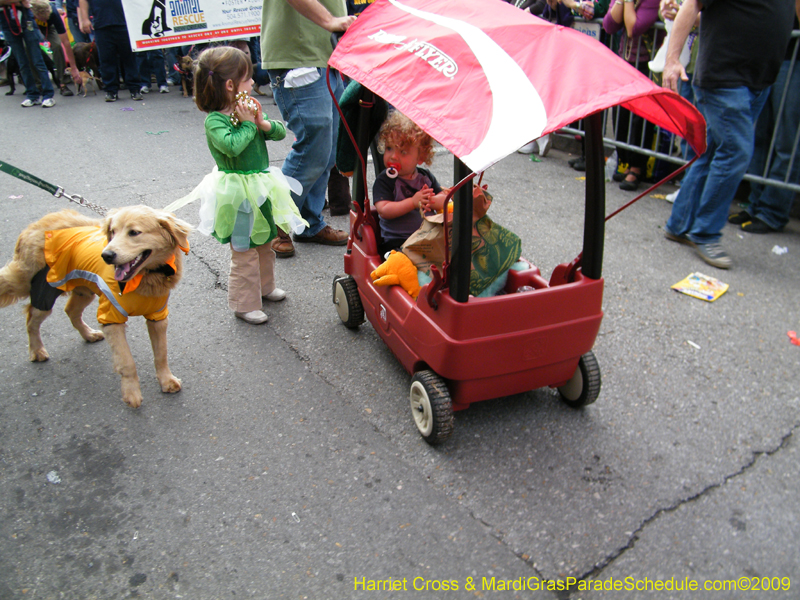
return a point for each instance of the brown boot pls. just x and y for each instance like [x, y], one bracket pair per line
[282, 245]
[338, 193]
[327, 236]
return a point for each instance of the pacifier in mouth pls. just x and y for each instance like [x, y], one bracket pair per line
[392, 171]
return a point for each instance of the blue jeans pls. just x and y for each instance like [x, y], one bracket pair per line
[151, 61]
[76, 32]
[687, 92]
[311, 115]
[30, 38]
[769, 203]
[701, 208]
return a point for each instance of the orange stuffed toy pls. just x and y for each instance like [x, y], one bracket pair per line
[398, 270]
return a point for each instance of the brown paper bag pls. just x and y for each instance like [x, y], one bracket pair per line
[425, 247]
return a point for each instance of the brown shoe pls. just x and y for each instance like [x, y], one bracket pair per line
[282, 245]
[328, 236]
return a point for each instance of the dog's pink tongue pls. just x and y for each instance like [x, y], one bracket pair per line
[121, 271]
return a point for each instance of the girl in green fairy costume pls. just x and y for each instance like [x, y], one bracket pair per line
[242, 199]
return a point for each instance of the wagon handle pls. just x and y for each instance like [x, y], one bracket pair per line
[654, 186]
[434, 287]
[361, 214]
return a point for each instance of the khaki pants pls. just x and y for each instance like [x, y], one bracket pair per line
[252, 276]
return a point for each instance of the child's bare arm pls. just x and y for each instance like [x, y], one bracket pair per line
[436, 201]
[391, 210]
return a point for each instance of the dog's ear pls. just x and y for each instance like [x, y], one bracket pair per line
[105, 225]
[178, 229]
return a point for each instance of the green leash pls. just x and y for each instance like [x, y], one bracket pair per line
[56, 190]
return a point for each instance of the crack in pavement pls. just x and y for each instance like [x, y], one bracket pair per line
[634, 537]
[218, 284]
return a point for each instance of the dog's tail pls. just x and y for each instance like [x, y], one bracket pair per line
[15, 284]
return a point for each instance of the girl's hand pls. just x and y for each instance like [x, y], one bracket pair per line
[262, 123]
[245, 114]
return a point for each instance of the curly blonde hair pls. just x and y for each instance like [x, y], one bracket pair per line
[400, 131]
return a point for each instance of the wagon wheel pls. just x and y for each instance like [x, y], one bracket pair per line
[348, 302]
[584, 386]
[431, 407]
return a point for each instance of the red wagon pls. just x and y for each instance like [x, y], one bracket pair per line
[462, 71]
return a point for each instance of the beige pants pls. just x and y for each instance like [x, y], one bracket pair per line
[252, 276]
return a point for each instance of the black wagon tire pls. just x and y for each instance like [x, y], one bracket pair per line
[348, 302]
[584, 386]
[431, 407]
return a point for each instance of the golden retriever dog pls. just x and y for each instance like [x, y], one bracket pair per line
[131, 260]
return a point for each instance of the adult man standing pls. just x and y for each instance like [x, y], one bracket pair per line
[295, 47]
[113, 45]
[770, 205]
[22, 35]
[731, 83]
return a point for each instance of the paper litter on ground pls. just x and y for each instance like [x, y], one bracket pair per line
[701, 286]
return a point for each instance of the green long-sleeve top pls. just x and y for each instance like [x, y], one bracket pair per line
[240, 148]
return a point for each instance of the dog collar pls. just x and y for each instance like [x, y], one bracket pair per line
[168, 269]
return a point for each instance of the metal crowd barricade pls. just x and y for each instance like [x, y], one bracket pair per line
[675, 156]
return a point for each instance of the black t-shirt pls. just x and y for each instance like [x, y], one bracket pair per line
[742, 42]
[384, 190]
[107, 13]
[16, 18]
[55, 21]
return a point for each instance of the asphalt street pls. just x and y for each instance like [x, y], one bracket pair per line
[289, 465]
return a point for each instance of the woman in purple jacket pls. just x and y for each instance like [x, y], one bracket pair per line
[635, 18]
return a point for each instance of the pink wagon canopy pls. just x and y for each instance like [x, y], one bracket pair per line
[484, 78]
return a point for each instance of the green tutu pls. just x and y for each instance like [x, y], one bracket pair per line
[243, 209]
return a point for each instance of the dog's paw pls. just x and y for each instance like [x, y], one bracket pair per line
[38, 355]
[93, 335]
[132, 399]
[171, 385]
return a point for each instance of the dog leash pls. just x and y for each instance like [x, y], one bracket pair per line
[56, 190]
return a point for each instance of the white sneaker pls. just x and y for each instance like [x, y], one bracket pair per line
[164, 89]
[528, 148]
[144, 89]
[49, 103]
[254, 317]
[671, 197]
[544, 143]
[276, 295]
[27, 103]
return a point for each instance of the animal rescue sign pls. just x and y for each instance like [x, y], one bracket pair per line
[164, 23]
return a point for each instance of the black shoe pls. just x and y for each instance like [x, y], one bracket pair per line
[579, 163]
[740, 217]
[111, 97]
[137, 95]
[619, 175]
[630, 185]
[65, 91]
[756, 225]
